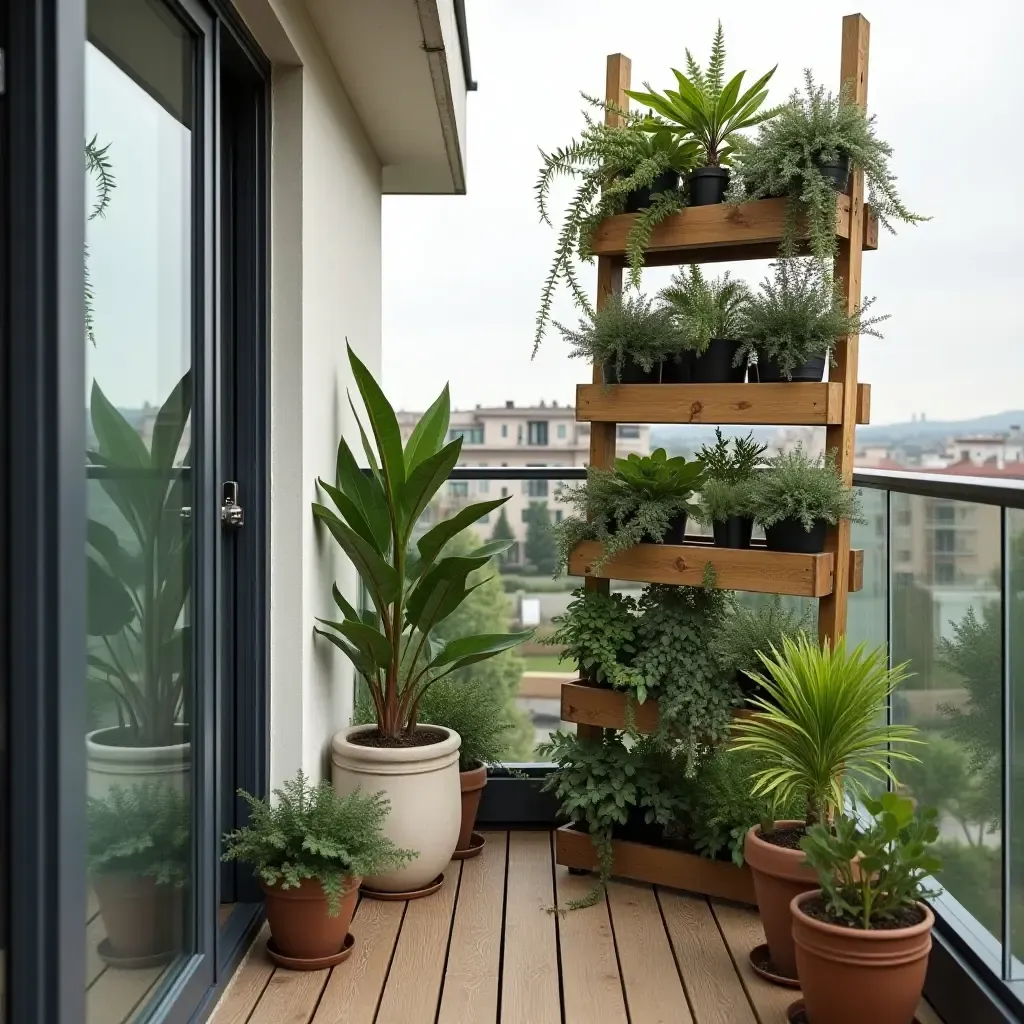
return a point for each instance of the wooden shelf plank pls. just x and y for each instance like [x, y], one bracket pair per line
[754, 569]
[591, 705]
[788, 404]
[724, 232]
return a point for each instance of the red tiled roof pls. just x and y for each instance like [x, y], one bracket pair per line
[1011, 470]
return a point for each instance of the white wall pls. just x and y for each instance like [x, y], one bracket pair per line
[325, 285]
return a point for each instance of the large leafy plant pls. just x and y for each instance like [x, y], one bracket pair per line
[412, 590]
[818, 725]
[870, 874]
[705, 309]
[706, 107]
[138, 577]
[799, 315]
[311, 832]
[658, 476]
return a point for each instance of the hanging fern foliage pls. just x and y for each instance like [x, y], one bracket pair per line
[99, 167]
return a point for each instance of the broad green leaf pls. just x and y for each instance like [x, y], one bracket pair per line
[109, 607]
[365, 638]
[440, 592]
[429, 433]
[347, 609]
[352, 515]
[117, 439]
[383, 424]
[358, 659]
[491, 548]
[371, 455]
[756, 88]
[467, 650]
[366, 491]
[424, 482]
[103, 539]
[434, 539]
[170, 423]
[727, 100]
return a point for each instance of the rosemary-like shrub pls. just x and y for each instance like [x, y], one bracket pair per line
[813, 128]
[478, 714]
[797, 487]
[799, 315]
[625, 328]
[729, 466]
[722, 499]
[313, 833]
[705, 309]
[749, 630]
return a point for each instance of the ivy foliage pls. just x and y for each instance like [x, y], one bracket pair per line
[310, 832]
[705, 309]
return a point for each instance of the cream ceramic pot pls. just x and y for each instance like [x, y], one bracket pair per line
[422, 785]
[109, 765]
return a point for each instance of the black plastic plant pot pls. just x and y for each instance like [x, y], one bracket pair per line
[640, 198]
[837, 171]
[790, 535]
[715, 364]
[678, 369]
[676, 532]
[733, 532]
[769, 372]
[632, 373]
[708, 185]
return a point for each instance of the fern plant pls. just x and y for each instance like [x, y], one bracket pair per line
[730, 466]
[313, 833]
[479, 715]
[813, 128]
[705, 309]
[100, 167]
[608, 162]
[740, 638]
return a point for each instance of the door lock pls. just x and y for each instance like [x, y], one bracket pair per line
[231, 513]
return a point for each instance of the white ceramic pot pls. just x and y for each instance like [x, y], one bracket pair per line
[422, 785]
[112, 764]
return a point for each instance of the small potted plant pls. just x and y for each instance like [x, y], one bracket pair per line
[628, 338]
[817, 728]
[725, 494]
[646, 498]
[310, 850]
[708, 317]
[707, 108]
[806, 153]
[790, 326]
[138, 857]
[863, 939]
[796, 499]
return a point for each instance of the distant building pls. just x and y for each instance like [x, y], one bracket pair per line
[998, 450]
[520, 436]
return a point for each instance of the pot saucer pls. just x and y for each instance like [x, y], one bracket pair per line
[294, 963]
[475, 848]
[131, 963]
[761, 961]
[413, 894]
[796, 1014]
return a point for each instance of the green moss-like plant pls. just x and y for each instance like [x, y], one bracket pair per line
[705, 309]
[741, 637]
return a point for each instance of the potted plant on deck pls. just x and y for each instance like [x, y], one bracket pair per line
[725, 493]
[138, 576]
[310, 851]
[712, 111]
[412, 587]
[817, 728]
[707, 314]
[791, 325]
[863, 939]
[796, 499]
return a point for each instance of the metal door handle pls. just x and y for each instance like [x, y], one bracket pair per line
[231, 513]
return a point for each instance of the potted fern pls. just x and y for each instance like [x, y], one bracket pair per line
[725, 494]
[707, 314]
[806, 153]
[791, 325]
[714, 112]
[628, 338]
[796, 499]
[310, 850]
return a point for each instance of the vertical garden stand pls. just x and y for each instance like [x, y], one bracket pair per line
[710, 234]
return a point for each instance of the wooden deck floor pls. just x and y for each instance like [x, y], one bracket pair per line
[484, 951]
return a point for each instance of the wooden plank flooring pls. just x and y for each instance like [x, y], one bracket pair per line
[486, 950]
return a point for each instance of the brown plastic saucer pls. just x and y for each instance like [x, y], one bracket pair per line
[131, 963]
[475, 848]
[413, 894]
[294, 963]
[796, 1014]
[761, 961]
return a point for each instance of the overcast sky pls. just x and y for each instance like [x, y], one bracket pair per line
[462, 274]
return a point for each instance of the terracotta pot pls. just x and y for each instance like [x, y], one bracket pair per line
[300, 924]
[422, 786]
[779, 875]
[849, 975]
[472, 783]
[142, 919]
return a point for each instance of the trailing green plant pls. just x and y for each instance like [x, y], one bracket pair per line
[394, 645]
[869, 875]
[138, 579]
[798, 316]
[730, 466]
[795, 486]
[705, 309]
[638, 501]
[140, 831]
[609, 161]
[817, 724]
[598, 633]
[706, 107]
[311, 832]
[812, 128]
[100, 167]
[749, 631]
[623, 329]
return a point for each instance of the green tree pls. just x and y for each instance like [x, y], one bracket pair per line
[541, 548]
[503, 529]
